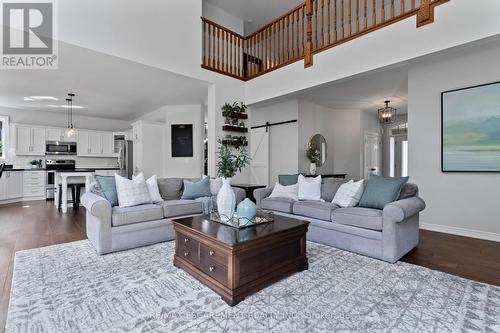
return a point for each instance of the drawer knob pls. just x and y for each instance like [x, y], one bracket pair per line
[186, 240]
[211, 268]
[186, 254]
[211, 252]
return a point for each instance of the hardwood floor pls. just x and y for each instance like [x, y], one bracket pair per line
[36, 224]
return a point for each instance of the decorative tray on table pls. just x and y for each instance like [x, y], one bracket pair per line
[243, 222]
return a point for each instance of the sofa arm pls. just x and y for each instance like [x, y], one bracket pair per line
[399, 211]
[261, 193]
[96, 205]
[239, 194]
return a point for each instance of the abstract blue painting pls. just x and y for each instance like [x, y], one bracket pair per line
[471, 129]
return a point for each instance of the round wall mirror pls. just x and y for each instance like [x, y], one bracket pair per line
[318, 141]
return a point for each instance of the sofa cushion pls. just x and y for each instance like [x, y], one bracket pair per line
[172, 208]
[367, 218]
[284, 205]
[107, 185]
[129, 215]
[409, 190]
[314, 209]
[329, 187]
[198, 189]
[170, 188]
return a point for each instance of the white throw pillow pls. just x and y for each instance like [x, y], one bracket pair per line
[152, 184]
[349, 194]
[132, 192]
[309, 188]
[281, 191]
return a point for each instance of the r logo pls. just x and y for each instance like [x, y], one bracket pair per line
[28, 28]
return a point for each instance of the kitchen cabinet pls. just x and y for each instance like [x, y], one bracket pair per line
[14, 184]
[58, 134]
[34, 184]
[30, 140]
[95, 144]
[11, 185]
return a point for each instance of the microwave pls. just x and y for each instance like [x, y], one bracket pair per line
[60, 148]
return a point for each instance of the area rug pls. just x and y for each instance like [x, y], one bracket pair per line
[69, 288]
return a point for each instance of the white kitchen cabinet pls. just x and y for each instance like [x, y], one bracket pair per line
[30, 140]
[107, 144]
[95, 144]
[82, 144]
[34, 184]
[13, 184]
[59, 134]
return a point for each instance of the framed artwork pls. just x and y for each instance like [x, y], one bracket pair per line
[182, 140]
[470, 129]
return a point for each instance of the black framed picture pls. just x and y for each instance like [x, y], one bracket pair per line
[470, 129]
[182, 140]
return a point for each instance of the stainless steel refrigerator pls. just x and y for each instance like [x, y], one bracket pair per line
[125, 152]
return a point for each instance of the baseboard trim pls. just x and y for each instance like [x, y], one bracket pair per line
[486, 235]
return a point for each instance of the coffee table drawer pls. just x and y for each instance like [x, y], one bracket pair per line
[187, 242]
[188, 254]
[208, 253]
[214, 270]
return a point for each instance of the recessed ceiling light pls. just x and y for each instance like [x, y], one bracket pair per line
[42, 98]
[28, 99]
[52, 106]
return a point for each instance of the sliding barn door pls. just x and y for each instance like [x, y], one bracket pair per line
[259, 152]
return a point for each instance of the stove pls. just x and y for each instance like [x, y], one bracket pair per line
[52, 166]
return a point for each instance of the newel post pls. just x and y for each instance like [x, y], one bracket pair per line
[425, 14]
[308, 56]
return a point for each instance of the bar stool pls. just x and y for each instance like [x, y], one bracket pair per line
[74, 198]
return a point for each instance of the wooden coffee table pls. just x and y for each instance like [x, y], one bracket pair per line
[238, 262]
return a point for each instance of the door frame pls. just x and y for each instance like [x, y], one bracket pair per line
[380, 155]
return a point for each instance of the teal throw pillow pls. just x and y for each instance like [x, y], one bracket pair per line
[108, 188]
[195, 190]
[287, 180]
[380, 191]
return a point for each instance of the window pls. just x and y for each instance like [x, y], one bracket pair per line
[4, 126]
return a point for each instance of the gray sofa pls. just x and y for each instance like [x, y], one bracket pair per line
[386, 234]
[112, 229]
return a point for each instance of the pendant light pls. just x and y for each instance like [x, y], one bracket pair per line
[387, 114]
[71, 131]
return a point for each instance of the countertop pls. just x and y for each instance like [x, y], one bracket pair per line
[75, 170]
[25, 169]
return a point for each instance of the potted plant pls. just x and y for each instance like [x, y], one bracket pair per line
[313, 154]
[230, 162]
[34, 164]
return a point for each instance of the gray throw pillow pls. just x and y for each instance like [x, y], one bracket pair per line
[330, 186]
[287, 180]
[380, 191]
[170, 188]
[194, 190]
[409, 190]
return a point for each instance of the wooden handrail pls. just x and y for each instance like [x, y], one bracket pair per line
[307, 29]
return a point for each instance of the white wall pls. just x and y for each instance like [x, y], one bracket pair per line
[456, 22]
[189, 167]
[458, 203]
[283, 139]
[223, 18]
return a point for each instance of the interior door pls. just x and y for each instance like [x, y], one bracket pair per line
[398, 155]
[373, 154]
[259, 152]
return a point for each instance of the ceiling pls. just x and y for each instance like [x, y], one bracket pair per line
[106, 86]
[258, 12]
[367, 92]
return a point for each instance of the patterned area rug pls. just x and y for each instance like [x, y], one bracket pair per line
[69, 288]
